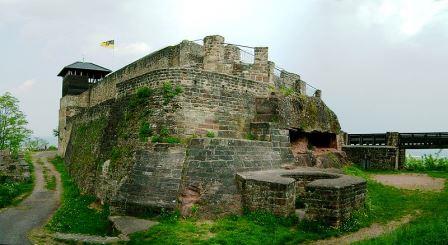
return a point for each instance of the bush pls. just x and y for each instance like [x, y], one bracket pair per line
[210, 134]
[250, 136]
[426, 163]
[145, 131]
[140, 97]
[169, 92]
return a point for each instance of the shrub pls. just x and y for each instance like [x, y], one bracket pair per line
[427, 162]
[145, 131]
[144, 92]
[250, 136]
[211, 134]
[140, 97]
[169, 92]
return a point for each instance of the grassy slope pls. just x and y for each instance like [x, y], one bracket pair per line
[383, 204]
[74, 214]
[432, 225]
[12, 193]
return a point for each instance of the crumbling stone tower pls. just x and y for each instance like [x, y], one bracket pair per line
[178, 126]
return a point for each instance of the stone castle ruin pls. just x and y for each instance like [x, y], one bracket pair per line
[193, 125]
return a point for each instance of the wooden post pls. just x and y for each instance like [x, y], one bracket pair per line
[397, 157]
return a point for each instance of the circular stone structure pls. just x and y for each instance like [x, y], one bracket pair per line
[411, 181]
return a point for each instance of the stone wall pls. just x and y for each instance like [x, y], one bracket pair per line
[154, 180]
[212, 164]
[327, 197]
[210, 102]
[375, 157]
[15, 169]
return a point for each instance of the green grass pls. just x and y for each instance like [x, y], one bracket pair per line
[383, 204]
[50, 183]
[13, 192]
[74, 215]
[50, 180]
[430, 227]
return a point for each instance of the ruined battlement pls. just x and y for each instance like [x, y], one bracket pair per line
[214, 58]
[173, 129]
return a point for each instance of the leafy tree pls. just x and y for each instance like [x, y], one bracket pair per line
[13, 131]
[36, 144]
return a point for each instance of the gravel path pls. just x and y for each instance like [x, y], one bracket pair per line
[16, 222]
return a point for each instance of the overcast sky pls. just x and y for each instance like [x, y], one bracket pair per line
[382, 65]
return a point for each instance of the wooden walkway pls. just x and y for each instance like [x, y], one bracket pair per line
[432, 140]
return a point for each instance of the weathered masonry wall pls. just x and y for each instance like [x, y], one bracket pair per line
[173, 130]
[210, 102]
[185, 54]
[375, 157]
[176, 176]
[212, 164]
[154, 179]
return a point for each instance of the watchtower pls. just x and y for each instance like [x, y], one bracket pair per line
[77, 77]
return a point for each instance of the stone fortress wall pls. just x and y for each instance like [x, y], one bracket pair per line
[215, 64]
[244, 106]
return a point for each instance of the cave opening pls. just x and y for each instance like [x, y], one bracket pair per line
[302, 142]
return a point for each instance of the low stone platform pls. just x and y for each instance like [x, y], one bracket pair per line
[327, 195]
[127, 225]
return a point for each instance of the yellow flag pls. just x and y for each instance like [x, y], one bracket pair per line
[108, 44]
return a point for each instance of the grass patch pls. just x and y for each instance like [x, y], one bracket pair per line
[74, 214]
[51, 183]
[50, 180]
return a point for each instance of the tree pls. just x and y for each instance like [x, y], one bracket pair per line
[13, 131]
[36, 144]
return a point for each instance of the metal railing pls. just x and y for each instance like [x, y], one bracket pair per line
[247, 56]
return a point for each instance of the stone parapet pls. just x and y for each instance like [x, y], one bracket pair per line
[327, 196]
[375, 157]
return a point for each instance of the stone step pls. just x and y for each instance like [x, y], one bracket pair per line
[300, 213]
[127, 224]
[87, 239]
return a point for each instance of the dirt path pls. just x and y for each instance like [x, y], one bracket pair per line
[16, 222]
[372, 231]
[411, 181]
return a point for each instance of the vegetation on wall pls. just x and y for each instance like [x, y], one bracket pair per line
[169, 92]
[85, 149]
[165, 137]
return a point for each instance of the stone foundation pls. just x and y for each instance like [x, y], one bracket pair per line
[375, 157]
[329, 197]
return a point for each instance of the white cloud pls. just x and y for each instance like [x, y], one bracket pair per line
[26, 86]
[407, 17]
[137, 48]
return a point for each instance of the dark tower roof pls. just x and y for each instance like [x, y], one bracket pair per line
[95, 70]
